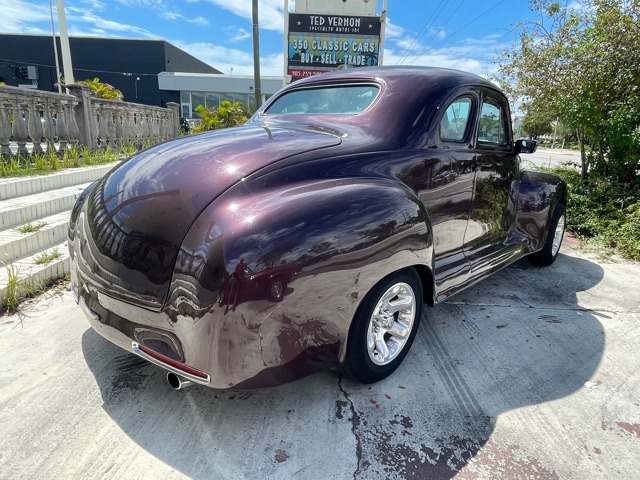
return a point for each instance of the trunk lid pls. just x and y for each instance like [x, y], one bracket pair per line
[138, 214]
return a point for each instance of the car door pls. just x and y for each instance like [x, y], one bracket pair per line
[448, 193]
[492, 214]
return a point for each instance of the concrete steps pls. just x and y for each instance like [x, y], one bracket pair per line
[34, 212]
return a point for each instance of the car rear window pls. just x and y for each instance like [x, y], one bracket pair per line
[342, 99]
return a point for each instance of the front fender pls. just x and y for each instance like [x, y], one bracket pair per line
[537, 196]
[330, 240]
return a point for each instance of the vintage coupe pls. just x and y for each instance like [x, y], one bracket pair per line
[309, 238]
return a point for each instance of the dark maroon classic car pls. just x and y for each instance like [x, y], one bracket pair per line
[309, 238]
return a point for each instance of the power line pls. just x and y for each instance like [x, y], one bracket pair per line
[433, 37]
[126, 74]
[415, 41]
[461, 28]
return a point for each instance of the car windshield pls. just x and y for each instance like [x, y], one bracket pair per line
[343, 99]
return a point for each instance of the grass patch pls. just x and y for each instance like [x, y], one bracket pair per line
[55, 282]
[19, 290]
[7, 167]
[598, 246]
[16, 288]
[41, 163]
[72, 157]
[31, 227]
[47, 257]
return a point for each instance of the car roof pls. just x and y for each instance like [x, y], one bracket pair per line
[410, 96]
[407, 75]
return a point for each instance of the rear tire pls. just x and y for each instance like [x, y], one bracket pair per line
[549, 252]
[384, 327]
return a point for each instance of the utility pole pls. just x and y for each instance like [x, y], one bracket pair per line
[383, 28]
[286, 43]
[256, 56]
[55, 48]
[64, 44]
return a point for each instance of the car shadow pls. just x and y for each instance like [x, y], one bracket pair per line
[517, 339]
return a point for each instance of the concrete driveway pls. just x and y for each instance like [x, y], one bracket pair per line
[532, 373]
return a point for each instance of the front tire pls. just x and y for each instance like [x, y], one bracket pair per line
[276, 288]
[384, 327]
[549, 252]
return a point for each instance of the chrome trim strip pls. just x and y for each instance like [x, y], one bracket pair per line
[135, 348]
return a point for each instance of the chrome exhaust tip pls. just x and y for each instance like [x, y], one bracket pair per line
[177, 382]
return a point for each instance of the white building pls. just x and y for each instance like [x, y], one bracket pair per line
[210, 89]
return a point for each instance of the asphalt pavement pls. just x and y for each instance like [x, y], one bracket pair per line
[532, 373]
[548, 157]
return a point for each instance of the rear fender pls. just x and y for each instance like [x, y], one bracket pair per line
[537, 196]
[332, 240]
[303, 230]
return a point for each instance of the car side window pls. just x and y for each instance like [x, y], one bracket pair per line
[454, 123]
[493, 128]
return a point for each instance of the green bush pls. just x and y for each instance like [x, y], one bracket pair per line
[102, 90]
[626, 236]
[226, 116]
[603, 209]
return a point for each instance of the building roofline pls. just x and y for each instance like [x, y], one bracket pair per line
[48, 35]
[216, 75]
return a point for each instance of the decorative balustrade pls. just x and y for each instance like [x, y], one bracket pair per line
[35, 121]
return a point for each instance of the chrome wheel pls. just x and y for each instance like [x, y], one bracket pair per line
[384, 326]
[391, 323]
[276, 290]
[557, 236]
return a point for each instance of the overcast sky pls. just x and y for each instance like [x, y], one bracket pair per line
[462, 34]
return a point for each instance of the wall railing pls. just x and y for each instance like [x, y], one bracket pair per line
[35, 121]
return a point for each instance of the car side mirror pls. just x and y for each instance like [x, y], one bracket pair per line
[526, 146]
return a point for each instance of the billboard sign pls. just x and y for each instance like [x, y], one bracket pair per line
[319, 43]
[337, 7]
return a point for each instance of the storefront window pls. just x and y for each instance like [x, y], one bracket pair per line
[196, 99]
[213, 100]
[190, 100]
[241, 97]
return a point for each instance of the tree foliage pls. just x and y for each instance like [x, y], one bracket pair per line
[536, 123]
[583, 66]
[226, 116]
[102, 90]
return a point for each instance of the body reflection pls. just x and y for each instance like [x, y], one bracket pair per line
[244, 285]
[240, 274]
